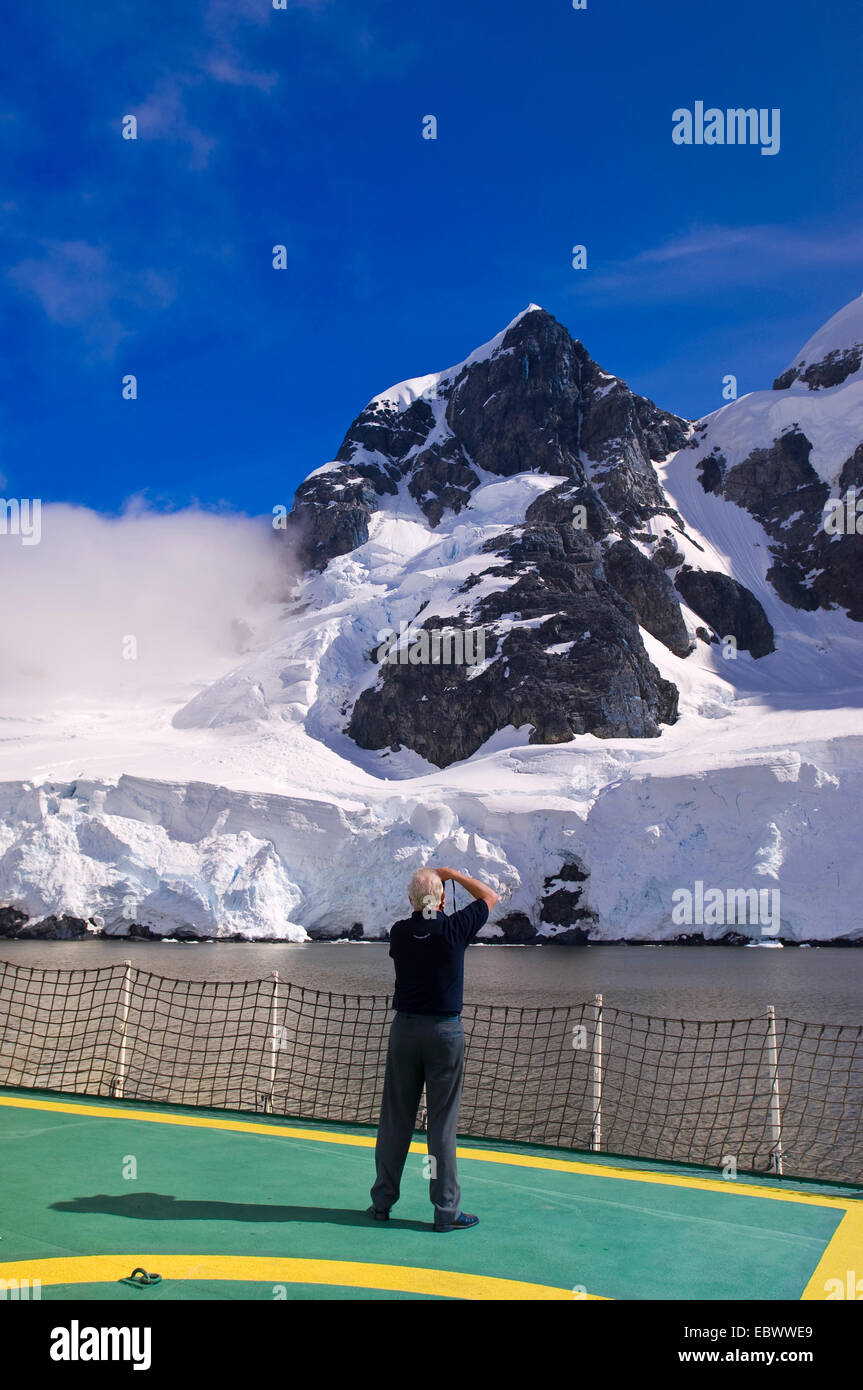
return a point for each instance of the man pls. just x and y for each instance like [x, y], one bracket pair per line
[426, 1042]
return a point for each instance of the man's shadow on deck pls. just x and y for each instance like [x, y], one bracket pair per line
[157, 1206]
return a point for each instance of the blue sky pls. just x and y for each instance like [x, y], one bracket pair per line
[303, 127]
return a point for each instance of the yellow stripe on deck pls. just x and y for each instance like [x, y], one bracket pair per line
[440, 1283]
[843, 1257]
[517, 1160]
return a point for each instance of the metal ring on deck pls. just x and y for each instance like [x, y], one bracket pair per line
[145, 1279]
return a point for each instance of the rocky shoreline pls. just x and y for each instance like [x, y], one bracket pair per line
[16, 926]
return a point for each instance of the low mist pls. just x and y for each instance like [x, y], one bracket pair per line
[136, 608]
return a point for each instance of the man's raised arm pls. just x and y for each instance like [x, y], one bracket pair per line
[472, 885]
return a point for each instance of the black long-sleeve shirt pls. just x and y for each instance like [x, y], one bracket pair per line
[429, 958]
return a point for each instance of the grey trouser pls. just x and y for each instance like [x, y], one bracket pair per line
[430, 1049]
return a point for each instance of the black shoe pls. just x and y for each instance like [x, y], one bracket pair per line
[462, 1222]
[378, 1213]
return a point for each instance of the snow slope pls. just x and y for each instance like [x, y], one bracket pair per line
[840, 333]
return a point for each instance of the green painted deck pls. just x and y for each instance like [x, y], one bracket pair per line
[238, 1206]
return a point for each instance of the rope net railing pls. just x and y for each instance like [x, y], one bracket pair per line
[765, 1094]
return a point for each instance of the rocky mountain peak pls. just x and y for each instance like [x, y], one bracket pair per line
[532, 399]
[531, 434]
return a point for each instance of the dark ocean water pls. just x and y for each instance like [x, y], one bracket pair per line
[823, 984]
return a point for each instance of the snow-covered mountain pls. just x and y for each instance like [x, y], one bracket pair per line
[783, 454]
[668, 689]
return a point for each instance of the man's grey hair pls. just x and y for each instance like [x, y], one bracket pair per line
[425, 888]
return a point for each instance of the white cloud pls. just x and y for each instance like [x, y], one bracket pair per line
[709, 256]
[79, 286]
[162, 115]
[226, 67]
[192, 588]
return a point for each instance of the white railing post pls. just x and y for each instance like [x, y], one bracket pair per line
[118, 1089]
[596, 1075]
[775, 1107]
[269, 1098]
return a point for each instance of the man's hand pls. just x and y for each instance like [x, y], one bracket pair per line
[472, 885]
